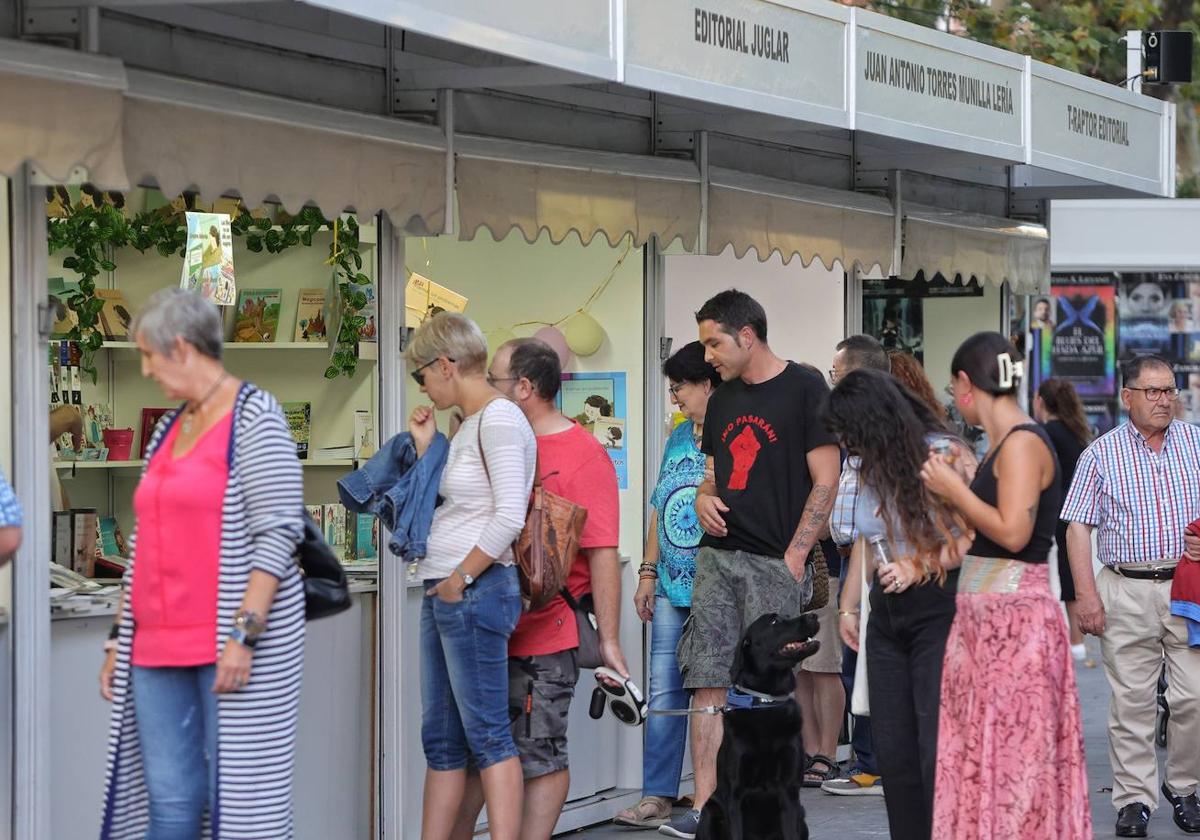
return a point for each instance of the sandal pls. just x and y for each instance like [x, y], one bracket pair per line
[814, 778]
[650, 812]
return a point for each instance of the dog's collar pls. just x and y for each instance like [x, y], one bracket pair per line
[740, 697]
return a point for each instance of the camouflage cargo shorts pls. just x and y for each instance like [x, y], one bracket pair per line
[731, 590]
[540, 689]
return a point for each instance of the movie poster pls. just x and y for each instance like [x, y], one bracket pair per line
[597, 401]
[1077, 333]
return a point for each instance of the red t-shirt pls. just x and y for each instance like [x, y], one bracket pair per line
[575, 466]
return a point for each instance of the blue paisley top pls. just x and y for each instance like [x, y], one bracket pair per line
[679, 531]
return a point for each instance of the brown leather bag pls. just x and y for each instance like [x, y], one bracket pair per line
[547, 546]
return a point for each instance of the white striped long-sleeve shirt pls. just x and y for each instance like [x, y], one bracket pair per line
[1140, 500]
[475, 512]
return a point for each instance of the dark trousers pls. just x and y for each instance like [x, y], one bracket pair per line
[906, 640]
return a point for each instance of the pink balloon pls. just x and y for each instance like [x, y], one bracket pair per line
[554, 337]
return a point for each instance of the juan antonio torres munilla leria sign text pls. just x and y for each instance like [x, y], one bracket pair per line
[730, 33]
[915, 77]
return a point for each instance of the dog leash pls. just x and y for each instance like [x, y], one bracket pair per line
[738, 698]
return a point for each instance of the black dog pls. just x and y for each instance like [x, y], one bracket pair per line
[760, 766]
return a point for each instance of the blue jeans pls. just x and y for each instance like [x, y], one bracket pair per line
[666, 735]
[177, 727]
[464, 672]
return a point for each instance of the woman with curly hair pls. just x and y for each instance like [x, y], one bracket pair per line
[911, 374]
[891, 430]
[1057, 407]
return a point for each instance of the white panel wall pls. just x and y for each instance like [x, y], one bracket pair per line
[1129, 235]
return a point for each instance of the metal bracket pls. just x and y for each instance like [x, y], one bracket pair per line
[45, 320]
[664, 348]
[52, 23]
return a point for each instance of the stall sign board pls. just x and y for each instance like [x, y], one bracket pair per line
[785, 58]
[914, 83]
[577, 36]
[1096, 131]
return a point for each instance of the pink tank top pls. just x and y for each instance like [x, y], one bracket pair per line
[178, 504]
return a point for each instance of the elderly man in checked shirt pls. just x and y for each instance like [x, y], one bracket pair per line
[1139, 486]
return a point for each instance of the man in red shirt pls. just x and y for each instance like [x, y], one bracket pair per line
[542, 669]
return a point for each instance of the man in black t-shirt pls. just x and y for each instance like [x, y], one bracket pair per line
[768, 489]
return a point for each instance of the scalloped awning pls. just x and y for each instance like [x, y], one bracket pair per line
[63, 119]
[262, 148]
[561, 194]
[770, 215]
[992, 249]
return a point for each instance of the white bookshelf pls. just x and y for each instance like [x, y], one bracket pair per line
[315, 463]
[367, 350]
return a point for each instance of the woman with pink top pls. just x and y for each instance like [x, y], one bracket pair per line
[203, 664]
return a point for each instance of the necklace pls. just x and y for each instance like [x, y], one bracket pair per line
[189, 413]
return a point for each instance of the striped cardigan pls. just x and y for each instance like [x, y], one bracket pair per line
[261, 524]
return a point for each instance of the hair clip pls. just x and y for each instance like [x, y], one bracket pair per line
[1011, 372]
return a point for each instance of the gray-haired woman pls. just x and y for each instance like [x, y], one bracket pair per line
[203, 664]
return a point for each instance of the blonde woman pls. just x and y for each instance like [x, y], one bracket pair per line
[473, 599]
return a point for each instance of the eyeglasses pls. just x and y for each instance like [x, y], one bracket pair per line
[1155, 394]
[676, 388]
[419, 377]
[492, 380]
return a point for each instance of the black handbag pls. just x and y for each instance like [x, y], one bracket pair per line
[588, 654]
[326, 590]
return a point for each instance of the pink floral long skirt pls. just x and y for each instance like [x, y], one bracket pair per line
[1010, 741]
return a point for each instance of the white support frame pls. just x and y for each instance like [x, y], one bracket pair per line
[31, 572]
[392, 591]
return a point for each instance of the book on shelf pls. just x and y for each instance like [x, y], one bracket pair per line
[310, 316]
[65, 318]
[115, 316]
[335, 529]
[369, 331]
[299, 420]
[364, 547]
[61, 542]
[73, 541]
[110, 542]
[150, 418]
[257, 318]
[364, 434]
[317, 514]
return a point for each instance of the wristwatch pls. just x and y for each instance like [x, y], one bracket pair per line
[247, 627]
[467, 579]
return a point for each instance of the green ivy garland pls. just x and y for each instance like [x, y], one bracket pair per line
[93, 231]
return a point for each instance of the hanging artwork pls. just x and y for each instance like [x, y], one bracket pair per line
[208, 258]
[597, 401]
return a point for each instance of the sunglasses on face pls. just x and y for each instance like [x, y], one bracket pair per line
[419, 377]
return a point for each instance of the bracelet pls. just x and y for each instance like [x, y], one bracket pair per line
[114, 632]
[848, 612]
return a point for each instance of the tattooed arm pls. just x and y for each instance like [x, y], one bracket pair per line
[824, 464]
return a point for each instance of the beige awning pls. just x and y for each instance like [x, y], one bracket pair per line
[591, 193]
[262, 148]
[769, 215]
[992, 249]
[60, 111]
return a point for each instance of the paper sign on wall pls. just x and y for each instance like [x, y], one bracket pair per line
[208, 258]
[597, 402]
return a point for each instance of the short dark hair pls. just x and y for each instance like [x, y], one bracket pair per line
[535, 360]
[687, 365]
[1133, 369]
[733, 310]
[864, 351]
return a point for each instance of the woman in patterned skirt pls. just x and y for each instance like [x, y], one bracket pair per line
[1010, 741]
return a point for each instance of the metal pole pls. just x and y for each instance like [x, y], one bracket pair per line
[1133, 60]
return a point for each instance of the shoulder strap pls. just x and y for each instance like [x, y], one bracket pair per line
[537, 473]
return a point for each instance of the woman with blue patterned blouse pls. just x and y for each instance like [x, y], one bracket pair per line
[664, 593]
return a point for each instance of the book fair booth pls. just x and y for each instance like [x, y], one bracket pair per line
[589, 173]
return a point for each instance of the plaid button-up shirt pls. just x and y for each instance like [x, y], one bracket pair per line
[1140, 500]
[841, 519]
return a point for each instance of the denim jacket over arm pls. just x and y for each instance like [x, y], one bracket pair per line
[400, 489]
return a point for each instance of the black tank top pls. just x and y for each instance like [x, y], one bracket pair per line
[1049, 505]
